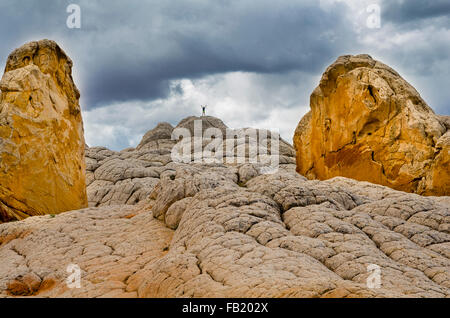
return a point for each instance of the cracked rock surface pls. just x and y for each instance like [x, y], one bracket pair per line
[156, 228]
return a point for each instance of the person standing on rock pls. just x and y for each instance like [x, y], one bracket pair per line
[203, 110]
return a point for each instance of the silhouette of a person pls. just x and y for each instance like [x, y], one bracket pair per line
[203, 110]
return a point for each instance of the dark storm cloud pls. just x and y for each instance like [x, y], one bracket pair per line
[401, 11]
[129, 50]
[415, 37]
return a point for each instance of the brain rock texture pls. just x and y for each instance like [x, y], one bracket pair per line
[156, 228]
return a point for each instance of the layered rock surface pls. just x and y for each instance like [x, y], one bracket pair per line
[157, 228]
[42, 167]
[367, 123]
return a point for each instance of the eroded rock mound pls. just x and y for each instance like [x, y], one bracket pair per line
[367, 123]
[42, 167]
[129, 176]
[204, 234]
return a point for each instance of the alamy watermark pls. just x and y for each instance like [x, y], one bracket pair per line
[74, 19]
[374, 278]
[74, 279]
[373, 21]
[228, 146]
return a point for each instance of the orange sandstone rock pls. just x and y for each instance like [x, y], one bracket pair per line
[42, 165]
[367, 123]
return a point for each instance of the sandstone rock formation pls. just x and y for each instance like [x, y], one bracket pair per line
[129, 176]
[157, 228]
[368, 123]
[174, 217]
[42, 167]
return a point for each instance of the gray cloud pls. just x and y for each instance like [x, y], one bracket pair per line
[130, 50]
[415, 40]
[411, 11]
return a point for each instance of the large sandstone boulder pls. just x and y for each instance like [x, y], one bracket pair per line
[42, 167]
[367, 123]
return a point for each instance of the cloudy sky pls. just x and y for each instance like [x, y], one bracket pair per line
[254, 63]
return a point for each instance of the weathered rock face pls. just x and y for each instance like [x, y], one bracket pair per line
[156, 137]
[157, 228]
[42, 167]
[203, 234]
[368, 123]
